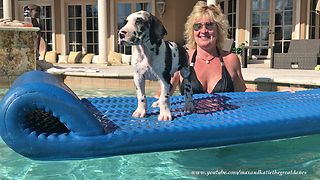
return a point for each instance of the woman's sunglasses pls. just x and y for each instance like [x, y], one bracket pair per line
[209, 26]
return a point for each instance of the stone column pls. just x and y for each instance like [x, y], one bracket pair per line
[102, 20]
[212, 2]
[7, 11]
[63, 30]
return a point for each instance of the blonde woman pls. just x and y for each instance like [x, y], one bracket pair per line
[212, 69]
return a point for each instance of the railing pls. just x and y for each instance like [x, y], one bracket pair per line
[245, 54]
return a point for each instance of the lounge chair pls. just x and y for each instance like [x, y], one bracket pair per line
[302, 54]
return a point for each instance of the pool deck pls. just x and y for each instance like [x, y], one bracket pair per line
[257, 76]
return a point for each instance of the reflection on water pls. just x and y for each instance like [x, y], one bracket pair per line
[299, 154]
[84, 92]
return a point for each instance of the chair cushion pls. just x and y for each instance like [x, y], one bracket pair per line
[126, 59]
[95, 59]
[87, 59]
[114, 58]
[51, 56]
[74, 57]
[63, 59]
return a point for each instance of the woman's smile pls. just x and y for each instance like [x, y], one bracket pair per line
[205, 36]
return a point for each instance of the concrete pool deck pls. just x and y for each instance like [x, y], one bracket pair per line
[257, 76]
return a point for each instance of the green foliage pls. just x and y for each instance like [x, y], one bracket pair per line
[238, 50]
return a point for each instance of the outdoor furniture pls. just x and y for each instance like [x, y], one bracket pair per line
[245, 54]
[228, 45]
[302, 54]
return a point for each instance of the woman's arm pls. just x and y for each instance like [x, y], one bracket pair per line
[239, 84]
[233, 65]
[175, 81]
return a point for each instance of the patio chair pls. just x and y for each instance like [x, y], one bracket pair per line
[302, 54]
[228, 45]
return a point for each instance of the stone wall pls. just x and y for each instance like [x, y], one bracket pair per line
[17, 50]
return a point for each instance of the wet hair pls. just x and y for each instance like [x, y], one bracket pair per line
[201, 9]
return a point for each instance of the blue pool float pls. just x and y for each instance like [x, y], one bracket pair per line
[43, 119]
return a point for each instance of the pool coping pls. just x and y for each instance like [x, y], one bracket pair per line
[255, 75]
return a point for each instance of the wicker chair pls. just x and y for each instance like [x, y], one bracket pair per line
[302, 54]
[228, 45]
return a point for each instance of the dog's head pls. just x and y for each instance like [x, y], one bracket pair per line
[141, 27]
[34, 10]
[34, 13]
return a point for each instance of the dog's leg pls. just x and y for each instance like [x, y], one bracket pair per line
[142, 100]
[188, 94]
[164, 102]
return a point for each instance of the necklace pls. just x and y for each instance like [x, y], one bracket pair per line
[206, 60]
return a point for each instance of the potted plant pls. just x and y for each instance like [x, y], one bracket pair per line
[238, 50]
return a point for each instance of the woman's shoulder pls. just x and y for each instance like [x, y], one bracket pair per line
[190, 52]
[230, 56]
[230, 59]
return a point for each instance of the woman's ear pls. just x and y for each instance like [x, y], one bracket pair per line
[157, 30]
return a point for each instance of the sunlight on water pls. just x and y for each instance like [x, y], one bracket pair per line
[272, 158]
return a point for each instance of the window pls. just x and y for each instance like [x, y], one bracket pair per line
[314, 22]
[83, 28]
[283, 25]
[228, 7]
[75, 27]
[260, 26]
[46, 25]
[231, 13]
[123, 10]
[222, 6]
[1, 9]
[92, 29]
[143, 6]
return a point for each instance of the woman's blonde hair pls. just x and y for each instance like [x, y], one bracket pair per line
[201, 9]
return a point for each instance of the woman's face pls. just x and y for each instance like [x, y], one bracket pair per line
[206, 36]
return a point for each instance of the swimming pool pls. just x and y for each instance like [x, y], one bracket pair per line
[268, 160]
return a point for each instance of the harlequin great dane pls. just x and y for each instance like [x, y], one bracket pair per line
[152, 54]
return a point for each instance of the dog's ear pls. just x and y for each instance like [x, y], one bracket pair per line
[38, 12]
[25, 8]
[34, 10]
[157, 30]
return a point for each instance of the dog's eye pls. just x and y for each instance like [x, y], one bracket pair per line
[138, 21]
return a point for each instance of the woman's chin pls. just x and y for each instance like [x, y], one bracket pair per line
[206, 45]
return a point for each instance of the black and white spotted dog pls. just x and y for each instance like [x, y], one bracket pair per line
[152, 54]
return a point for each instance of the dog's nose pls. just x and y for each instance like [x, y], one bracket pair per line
[122, 34]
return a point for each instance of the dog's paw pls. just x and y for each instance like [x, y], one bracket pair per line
[155, 104]
[165, 117]
[189, 108]
[139, 113]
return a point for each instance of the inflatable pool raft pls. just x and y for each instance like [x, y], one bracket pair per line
[42, 119]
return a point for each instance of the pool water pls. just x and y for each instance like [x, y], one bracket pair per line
[268, 160]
